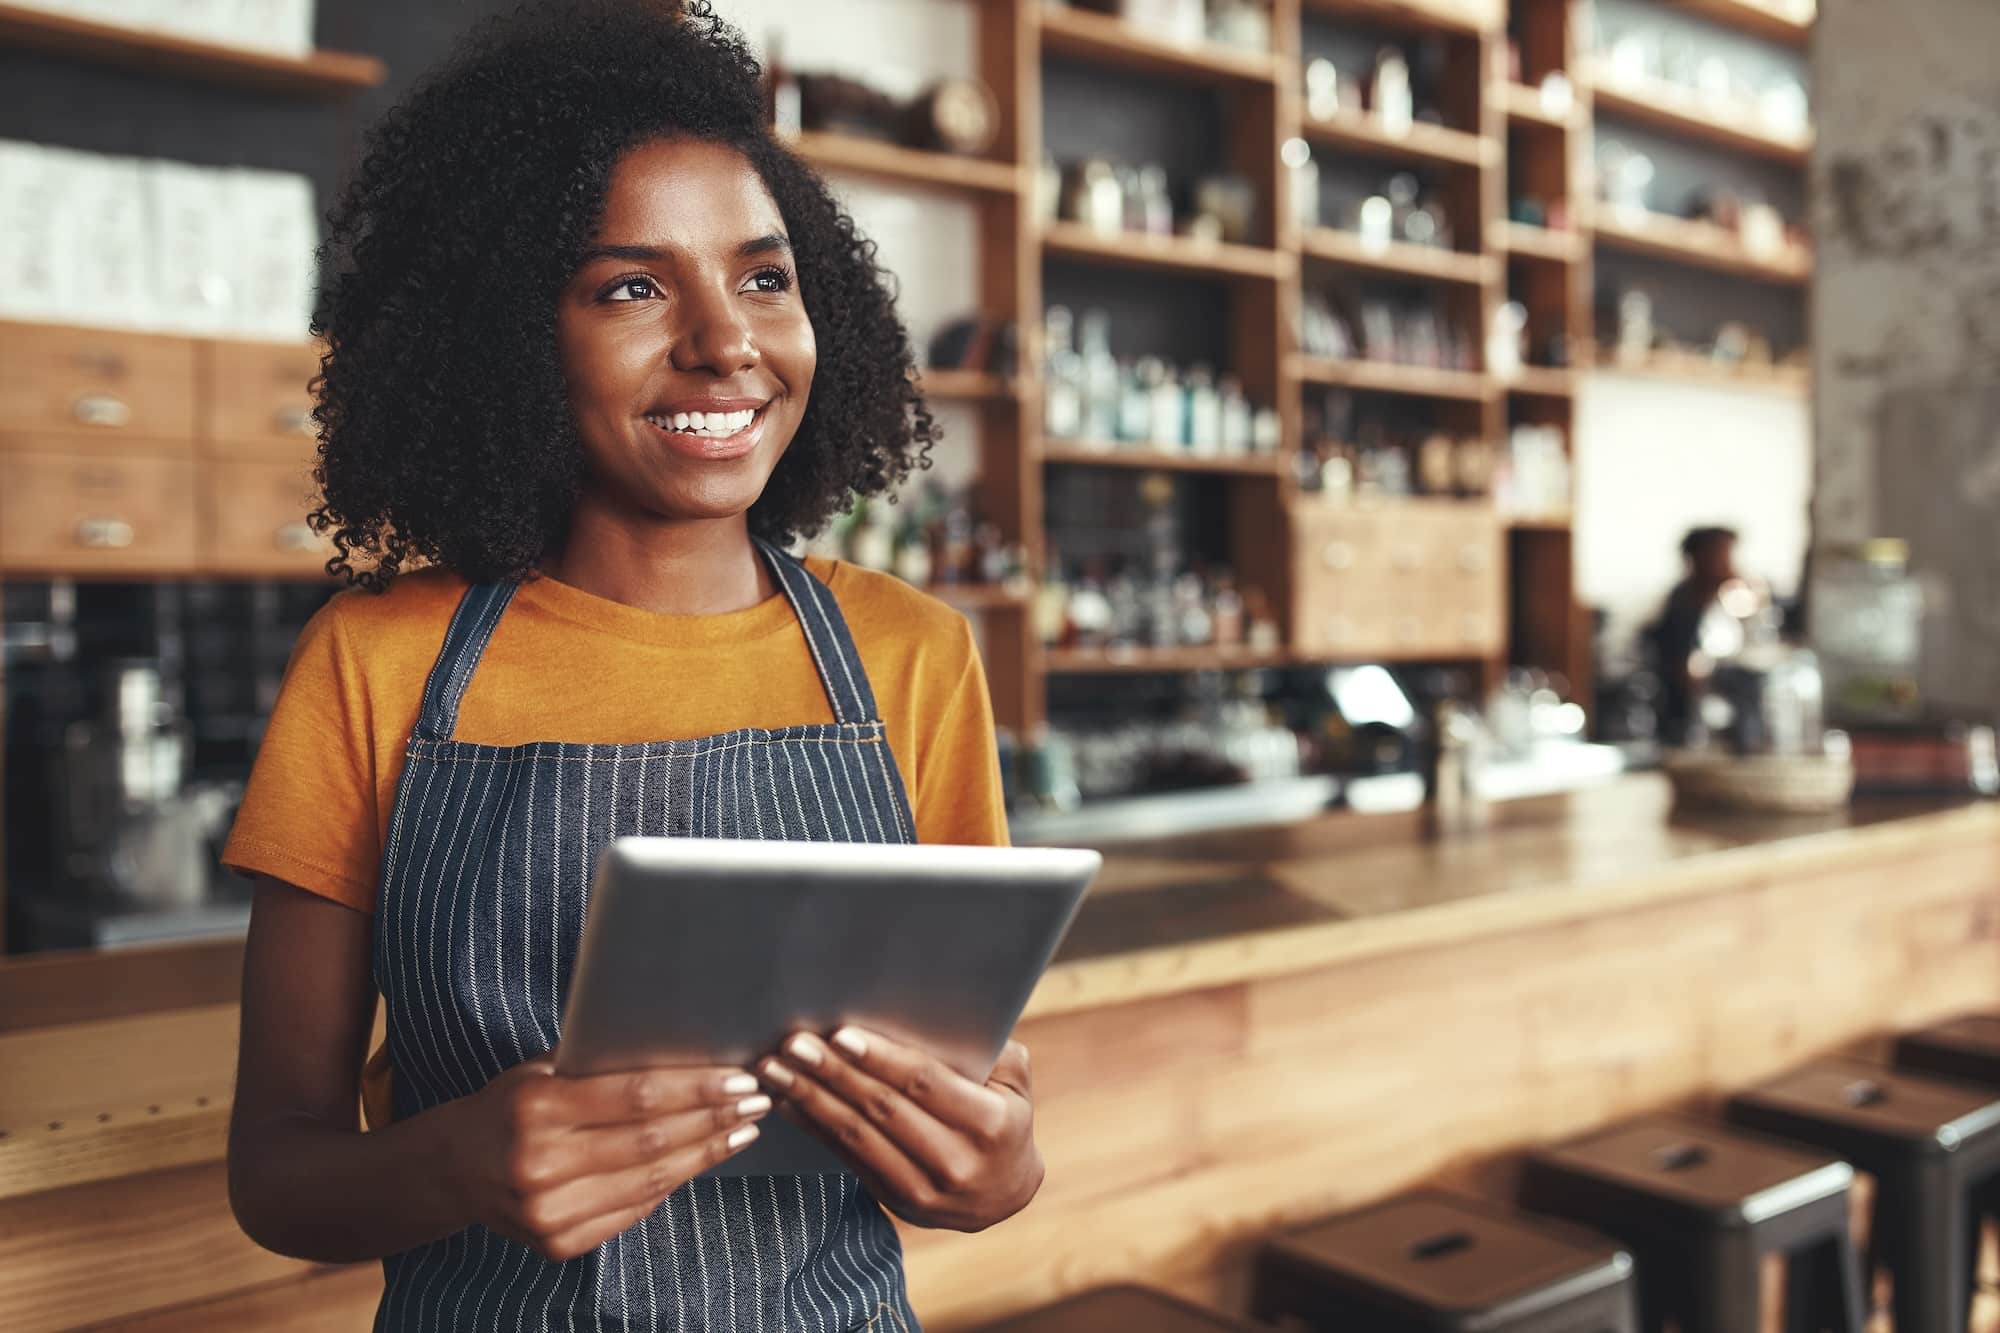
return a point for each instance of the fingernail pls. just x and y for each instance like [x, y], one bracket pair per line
[738, 1084]
[753, 1105]
[747, 1134]
[851, 1041]
[777, 1074]
[807, 1050]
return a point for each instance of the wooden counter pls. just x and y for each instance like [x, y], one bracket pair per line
[1244, 1030]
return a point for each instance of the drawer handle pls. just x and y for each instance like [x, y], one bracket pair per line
[104, 534]
[297, 536]
[295, 421]
[1338, 555]
[1471, 558]
[101, 409]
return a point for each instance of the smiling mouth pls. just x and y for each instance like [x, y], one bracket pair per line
[711, 435]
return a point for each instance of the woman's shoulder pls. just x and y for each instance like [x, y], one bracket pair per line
[882, 609]
[410, 613]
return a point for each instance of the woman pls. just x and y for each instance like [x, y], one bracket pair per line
[597, 348]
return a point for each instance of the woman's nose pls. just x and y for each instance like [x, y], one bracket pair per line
[713, 336]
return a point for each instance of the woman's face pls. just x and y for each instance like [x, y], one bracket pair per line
[684, 341]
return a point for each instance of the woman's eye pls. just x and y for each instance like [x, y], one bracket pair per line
[633, 289]
[771, 280]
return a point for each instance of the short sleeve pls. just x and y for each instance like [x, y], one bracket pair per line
[958, 794]
[308, 815]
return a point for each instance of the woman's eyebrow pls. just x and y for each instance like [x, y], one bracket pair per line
[769, 243]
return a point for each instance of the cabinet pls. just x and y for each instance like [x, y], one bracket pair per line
[1418, 579]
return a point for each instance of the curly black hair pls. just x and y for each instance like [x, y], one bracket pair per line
[445, 431]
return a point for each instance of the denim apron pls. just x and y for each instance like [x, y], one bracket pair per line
[484, 880]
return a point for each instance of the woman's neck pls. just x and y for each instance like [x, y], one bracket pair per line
[683, 567]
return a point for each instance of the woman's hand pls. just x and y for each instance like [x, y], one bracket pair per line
[562, 1164]
[936, 1148]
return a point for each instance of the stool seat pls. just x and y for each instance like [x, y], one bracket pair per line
[1966, 1048]
[1702, 1206]
[1117, 1309]
[1675, 1164]
[1430, 1260]
[1932, 1146]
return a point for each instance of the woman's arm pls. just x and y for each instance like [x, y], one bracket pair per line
[558, 1164]
[303, 1179]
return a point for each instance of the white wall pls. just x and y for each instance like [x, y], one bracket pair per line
[1654, 459]
[931, 242]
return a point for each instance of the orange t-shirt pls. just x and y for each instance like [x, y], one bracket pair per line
[565, 665]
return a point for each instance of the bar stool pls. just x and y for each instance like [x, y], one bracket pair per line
[1965, 1048]
[1932, 1146]
[1428, 1261]
[1119, 1309]
[1701, 1206]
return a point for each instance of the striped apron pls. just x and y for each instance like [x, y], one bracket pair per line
[484, 880]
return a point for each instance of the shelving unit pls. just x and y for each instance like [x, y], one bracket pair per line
[1463, 386]
[968, 386]
[321, 74]
[1420, 143]
[1103, 39]
[1125, 455]
[1701, 244]
[1519, 241]
[1677, 110]
[1215, 259]
[1761, 18]
[906, 166]
[1519, 102]
[1398, 258]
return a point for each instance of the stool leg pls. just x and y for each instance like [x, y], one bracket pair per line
[1725, 1295]
[1924, 1221]
[1823, 1288]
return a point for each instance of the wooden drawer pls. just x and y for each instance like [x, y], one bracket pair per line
[256, 401]
[1408, 580]
[94, 382]
[254, 520]
[89, 514]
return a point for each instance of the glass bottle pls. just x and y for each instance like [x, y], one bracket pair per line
[1135, 399]
[1235, 417]
[1100, 378]
[1169, 416]
[1204, 414]
[1062, 376]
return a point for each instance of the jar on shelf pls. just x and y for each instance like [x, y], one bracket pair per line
[1867, 623]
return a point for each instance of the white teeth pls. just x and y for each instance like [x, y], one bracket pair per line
[716, 425]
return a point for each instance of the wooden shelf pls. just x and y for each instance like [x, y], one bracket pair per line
[1386, 377]
[1413, 261]
[1105, 661]
[1462, 18]
[978, 596]
[1523, 104]
[1758, 17]
[905, 166]
[1105, 40]
[1538, 522]
[1422, 143]
[320, 74]
[1780, 381]
[1519, 241]
[1682, 111]
[967, 386]
[1543, 382]
[1217, 259]
[1702, 244]
[1073, 453]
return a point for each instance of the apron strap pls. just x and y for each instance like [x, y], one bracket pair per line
[833, 651]
[464, 644]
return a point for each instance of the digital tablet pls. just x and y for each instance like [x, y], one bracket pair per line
[713, 951]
